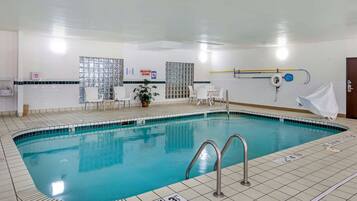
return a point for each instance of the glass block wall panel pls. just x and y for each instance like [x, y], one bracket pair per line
[178, 77]
[104, 73]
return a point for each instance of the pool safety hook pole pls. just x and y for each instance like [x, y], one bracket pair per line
[276, 94]
[257, 73]
[218, 192]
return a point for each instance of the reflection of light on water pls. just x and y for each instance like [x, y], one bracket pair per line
[203, 163]
[57, 187]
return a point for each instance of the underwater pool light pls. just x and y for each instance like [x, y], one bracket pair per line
[57, 187]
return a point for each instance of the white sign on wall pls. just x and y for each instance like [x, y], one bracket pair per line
[35, 76]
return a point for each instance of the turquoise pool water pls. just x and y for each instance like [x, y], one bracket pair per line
[122, 161]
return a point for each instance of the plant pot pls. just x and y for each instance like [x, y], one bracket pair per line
[145, 104]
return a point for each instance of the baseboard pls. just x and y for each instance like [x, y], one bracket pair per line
[278, 108]
[7, 113]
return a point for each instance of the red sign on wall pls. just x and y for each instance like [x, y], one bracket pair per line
[145, 72]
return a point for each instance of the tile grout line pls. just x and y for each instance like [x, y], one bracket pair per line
[287, 185]
[8, 168]
[49, 120]
[336, 186]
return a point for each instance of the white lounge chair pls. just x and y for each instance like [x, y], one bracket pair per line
[192, 94]
[92, 96]
[121, 96]
[202, 95]
[220, 96]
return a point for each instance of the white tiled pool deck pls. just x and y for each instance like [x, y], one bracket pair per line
[302, 179]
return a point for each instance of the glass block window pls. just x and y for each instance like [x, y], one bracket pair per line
[104, 73]
[178, 77]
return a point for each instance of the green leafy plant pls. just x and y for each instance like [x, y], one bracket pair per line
[144, 93]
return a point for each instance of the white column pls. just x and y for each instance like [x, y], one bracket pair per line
[19, 88]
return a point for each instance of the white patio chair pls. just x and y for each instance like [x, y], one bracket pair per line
[192, 94]
[92, 96]
[220, 96]
[202, 95]
[121, 96]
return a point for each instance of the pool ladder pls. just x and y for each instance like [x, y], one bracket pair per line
[218, 163]
[245, 181]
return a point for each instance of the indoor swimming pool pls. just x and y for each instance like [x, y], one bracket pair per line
[121, 160]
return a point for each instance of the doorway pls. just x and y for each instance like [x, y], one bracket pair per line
[351, 83]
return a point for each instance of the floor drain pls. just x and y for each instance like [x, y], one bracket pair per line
[173, 197]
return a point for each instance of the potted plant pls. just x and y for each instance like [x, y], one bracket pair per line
[145, 94]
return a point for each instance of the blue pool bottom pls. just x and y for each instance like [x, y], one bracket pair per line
[120, 161]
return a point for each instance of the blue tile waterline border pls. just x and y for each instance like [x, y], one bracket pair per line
[120, 123]
[64, 82]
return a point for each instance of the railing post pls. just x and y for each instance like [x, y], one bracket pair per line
[218, 192]
[245, 181]
[227, 103]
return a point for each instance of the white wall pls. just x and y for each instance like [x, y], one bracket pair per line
[326, 62]
[36, 56]
[8, 66]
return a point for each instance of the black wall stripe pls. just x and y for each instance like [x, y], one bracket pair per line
[47, 82]
[202, 82]
[33, 82]
[142, 82]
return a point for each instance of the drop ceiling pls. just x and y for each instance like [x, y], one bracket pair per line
[239, 23]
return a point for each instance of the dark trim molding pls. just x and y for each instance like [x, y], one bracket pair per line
[142, 82]
[162, 82]
[201, 82]
[47, 82]
[51, 82]
[277, 108]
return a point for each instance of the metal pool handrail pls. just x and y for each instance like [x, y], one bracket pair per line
[227, 103]
[218, 192]
[245, 181]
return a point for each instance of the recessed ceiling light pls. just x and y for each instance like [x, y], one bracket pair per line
[58, 46]
[282, 53]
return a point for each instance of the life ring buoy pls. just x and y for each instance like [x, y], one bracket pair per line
[277, 80]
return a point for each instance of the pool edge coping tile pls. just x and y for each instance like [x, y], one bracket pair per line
[22, 190]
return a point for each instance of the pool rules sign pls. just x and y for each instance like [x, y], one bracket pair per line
[149, 73]
[153, 75]
[173, 197]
